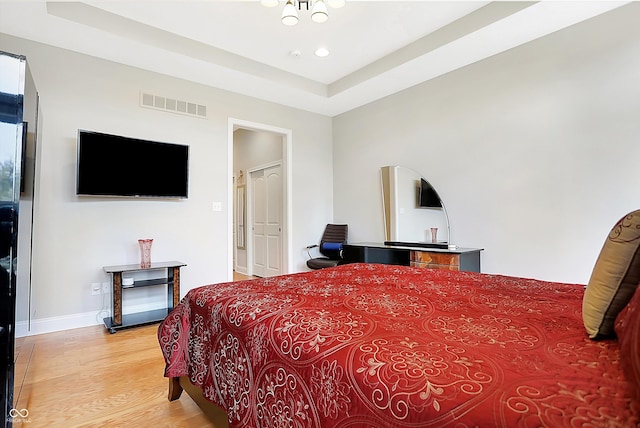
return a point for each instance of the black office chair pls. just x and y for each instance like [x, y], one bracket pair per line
[334, 236]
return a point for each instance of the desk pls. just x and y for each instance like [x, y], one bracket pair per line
[464, 259]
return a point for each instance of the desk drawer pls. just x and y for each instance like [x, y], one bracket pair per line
[433, 260]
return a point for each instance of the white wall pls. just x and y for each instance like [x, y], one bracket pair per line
[536, 150]
[76, 236]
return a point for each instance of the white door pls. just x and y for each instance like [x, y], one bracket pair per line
[266, 218]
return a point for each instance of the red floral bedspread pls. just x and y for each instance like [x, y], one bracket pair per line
[381, 346]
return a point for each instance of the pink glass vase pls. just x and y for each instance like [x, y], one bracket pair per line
[145, 252]
[434, 234]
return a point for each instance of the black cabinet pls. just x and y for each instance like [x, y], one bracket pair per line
[18, 123]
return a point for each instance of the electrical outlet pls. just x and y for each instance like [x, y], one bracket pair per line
[106, 287]
[95, 288]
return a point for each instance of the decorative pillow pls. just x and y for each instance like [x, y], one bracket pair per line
[627, 328]
[614, 278]
[333, 250]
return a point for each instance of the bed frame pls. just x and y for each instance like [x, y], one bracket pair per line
[215, 414]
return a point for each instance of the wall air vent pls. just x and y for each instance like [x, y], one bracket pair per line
[157, 102]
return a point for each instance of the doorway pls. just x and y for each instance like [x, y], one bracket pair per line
[242, 177]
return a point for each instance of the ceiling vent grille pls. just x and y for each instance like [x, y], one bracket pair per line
[157, 102]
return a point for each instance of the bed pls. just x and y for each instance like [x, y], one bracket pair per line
[382, 346]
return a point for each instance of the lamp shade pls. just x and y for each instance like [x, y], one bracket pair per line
[336, 3]
[289, 14]
[319, 12]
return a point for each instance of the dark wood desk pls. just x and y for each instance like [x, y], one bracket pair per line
[464, 259]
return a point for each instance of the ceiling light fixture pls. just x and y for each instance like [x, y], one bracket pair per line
[336, 4]
[289, 14]
[319, 11]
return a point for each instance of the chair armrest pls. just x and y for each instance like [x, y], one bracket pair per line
[309, 248]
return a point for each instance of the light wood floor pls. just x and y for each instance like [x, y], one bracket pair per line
[240, 277]
[89, 378]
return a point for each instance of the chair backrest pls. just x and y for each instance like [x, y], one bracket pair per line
[334, 234]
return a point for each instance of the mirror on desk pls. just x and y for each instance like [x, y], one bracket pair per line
[411, 209]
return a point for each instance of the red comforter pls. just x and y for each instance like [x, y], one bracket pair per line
[380, 346]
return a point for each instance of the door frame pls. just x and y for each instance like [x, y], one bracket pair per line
[287, 205]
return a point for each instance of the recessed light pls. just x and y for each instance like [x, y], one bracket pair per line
[295, 53]
[322, 52]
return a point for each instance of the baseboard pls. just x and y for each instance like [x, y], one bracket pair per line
[241, 269]
[69, 322]
[50, 325]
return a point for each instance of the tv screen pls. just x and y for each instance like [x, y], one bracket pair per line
[111, 165]
[428, 196]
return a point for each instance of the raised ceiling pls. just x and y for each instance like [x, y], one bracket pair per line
[376, 48]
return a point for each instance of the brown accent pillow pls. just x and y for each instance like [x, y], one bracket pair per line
[627, 328]
[614, 278]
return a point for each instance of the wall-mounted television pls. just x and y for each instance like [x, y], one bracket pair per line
[427, 195]
[112, 165]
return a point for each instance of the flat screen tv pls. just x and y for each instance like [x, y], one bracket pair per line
[427, 196]
[112, 165]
